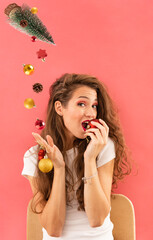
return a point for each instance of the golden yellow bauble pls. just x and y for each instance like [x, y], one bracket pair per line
[45, 165]
[28, 69]
[29, 103]
[34, 10]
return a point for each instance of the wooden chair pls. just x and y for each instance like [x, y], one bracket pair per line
[122, 215]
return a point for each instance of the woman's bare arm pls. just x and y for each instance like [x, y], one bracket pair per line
[97, 192]
[52, 217]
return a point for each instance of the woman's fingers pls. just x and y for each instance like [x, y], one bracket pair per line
[36, 136]
[100, 131]
[95, 131]
[50, 140]
[47, 145]
[90, 134]
[102, 127]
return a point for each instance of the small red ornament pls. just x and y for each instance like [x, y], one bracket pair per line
[40, 157]
[33, 38]
[39, 124]
[41, 154]
[87, 124]
[42, 54]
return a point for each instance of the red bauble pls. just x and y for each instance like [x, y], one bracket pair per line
[33, 38]
[87, 124]
[41, 154]
[39, 124]
[40, 157]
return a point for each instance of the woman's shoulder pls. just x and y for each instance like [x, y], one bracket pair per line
[107, 153]
[109, 145]
[110, 142]
[30, 161]
[32, 151]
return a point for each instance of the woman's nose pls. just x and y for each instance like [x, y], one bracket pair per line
[90, 113]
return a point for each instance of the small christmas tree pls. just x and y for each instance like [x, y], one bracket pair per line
[25, 21]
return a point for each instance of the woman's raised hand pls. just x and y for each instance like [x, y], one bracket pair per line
[52, 150]
[99, 138]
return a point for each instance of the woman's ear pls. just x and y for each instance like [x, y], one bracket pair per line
[58, 108]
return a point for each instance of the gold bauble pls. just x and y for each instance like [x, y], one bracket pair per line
[34, 10]
[45, 165]
[29, 103]
[28, 69]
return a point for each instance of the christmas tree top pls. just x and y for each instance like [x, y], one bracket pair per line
[25, 21]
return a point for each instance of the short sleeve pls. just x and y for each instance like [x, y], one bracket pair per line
[30, 160]
[107, 154]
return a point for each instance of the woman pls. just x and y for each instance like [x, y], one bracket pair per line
[73, 200]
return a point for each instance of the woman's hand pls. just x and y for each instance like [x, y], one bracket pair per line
[99, 138]
[52, 150]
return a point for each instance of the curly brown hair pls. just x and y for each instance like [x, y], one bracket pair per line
[62, 90]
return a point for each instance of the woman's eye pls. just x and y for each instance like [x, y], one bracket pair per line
[95, 106]
[81, 104]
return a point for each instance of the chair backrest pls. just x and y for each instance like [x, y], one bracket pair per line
[122, 215]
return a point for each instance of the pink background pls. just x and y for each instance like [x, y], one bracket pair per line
[110, 39]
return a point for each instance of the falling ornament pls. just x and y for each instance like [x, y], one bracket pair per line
[37, 87]
[39, 124]
[28, 69]
[42, 54]
[33, 38]
[29, 103]
[34, 10]
[16, 14]
[45, 165]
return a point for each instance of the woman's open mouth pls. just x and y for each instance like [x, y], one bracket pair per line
[85, 125]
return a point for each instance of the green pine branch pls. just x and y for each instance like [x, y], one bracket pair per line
[34, 28]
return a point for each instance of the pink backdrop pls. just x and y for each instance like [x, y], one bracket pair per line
[110, 39]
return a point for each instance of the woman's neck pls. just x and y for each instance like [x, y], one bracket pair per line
[70, 144]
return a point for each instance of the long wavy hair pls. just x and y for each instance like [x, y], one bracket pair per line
[62, 90]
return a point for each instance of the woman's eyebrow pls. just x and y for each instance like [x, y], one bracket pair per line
[87, 98]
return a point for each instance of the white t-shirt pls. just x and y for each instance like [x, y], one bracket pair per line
[76, 225]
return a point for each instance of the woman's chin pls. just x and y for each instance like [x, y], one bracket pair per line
[79, 135]
[82, 136]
